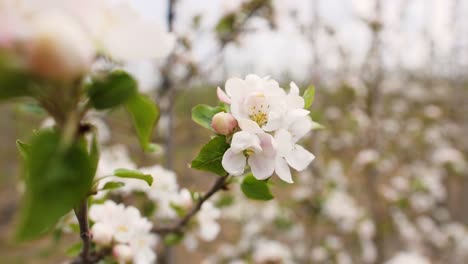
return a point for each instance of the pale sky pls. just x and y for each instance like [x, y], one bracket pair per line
[286, 51]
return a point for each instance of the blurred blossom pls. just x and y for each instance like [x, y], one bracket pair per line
[408, 258]
[268, 251]
[342, 209]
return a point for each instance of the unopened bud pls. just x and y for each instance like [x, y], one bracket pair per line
[223, 123]
[102, 234]
[123, 253]
[59, 49]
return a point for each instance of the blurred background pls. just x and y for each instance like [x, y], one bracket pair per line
[390, 179]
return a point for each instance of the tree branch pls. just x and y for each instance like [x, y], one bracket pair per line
[81, 213]
[220, 184]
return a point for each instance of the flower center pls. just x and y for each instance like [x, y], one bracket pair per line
[122, 228]
[248, 152]
[258, 109]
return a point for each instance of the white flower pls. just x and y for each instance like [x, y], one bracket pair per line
[207, 221]
[257, 150]
[123, 253]
[163, 190]
[290, 153]
[142, 243]
[342, 208]
[269, 251]
[252, 100]
[58, 48]
[102, 234]
[408, 258]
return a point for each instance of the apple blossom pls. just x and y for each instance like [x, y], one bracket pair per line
[256, 150]
[58, 48]
[223, 123]
[102, 234]
[123, 253]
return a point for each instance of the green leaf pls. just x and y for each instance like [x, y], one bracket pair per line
[58, 178]
[173, 239]
[23, 148]
[202, 114]
[255, 189]
[180, 211]
[145, 114]
[134, 174]
[112, 185]
[309, 95]
[74, 250]
[94, 154]
[113, 90]
[210, 156]
[14, 84]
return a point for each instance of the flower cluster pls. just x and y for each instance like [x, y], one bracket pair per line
[59, 40]
[266, 124]
[125, 230]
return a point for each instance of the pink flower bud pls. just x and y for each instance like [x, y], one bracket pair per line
[58, 48]
[123, 253]
[223, 123]
[102, 234]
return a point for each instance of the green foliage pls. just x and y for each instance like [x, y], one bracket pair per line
[58, 177]
[210, 156]
[112, 185]
[202, 114]
[226, 24]
[180, 211]
[94, 154]
[134, 174]
[113, 90]
[224, 201]
[145, 114]
[255, 189]
[23, 148]
[173, 239]
[309, 95]
[14, 84]
[74, 250]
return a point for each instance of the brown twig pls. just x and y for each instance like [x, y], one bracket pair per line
[81, 213]
[179, 227]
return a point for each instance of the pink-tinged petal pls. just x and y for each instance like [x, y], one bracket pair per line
[299, 158]
[222, 96]
[248, 125]
[282, 170]
[243, 140]
[274, 121]
[284, 143]
[234, 163]
[261, 165]
[268, 145]
[235, 88]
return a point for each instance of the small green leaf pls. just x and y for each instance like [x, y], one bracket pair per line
[255, 189]
[317, 126]
[74, 250]
[94, 154]
[210, 156]
[173, 239]
[113, 90]
[134, 174]
[309, 95]
[57, 178]
[180, 211]
[202, 114]
[145, 114]
[113, 185]
[226, 24]
[224, 201]
[23, 148]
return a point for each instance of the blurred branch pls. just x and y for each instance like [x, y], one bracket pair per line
[220, 184]
[81, 213]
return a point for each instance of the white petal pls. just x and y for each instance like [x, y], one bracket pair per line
[261, 165]
[209, 230]
[235, 87]
[284, 143]
[222, 96]
[268, 144]
[294, 90]
[234, 163]
[248, 125]
[243, 140]
[299, 158]
[282, 170]
[301, 127]
[274, 121]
